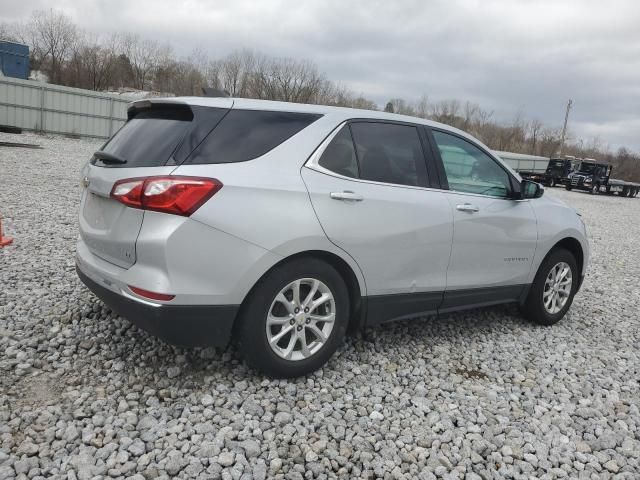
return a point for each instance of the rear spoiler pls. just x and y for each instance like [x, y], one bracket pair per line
[139, 105]
[177, 103]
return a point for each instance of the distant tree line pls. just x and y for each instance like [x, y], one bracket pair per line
[71, 56]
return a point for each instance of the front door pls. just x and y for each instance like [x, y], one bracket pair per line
[494, 236]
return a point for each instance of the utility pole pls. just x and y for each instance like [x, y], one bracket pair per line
[564, 128]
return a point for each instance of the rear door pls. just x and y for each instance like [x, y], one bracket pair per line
[494, 236]
[156, 138]
[369, 187]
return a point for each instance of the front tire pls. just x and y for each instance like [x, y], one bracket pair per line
[552, 182]
[595, 189]
[568, 187]
[553, 288]
[294, 318]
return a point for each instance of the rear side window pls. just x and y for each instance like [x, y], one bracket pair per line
[150, 138]
[247, 134]
[340, 155]
[389, 153]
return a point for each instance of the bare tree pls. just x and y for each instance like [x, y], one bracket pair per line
[535, 127]
[446, 111]
[144, 56]
[51, 34]
[234, 73]
[549, 141]
[9, 32]
[421, 107]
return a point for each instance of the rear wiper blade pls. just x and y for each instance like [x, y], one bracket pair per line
[108, 157]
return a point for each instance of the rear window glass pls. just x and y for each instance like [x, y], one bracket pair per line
[150, 137]
[247, 134]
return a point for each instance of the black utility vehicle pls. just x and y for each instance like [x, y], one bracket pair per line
[595, 177]
[558, 171]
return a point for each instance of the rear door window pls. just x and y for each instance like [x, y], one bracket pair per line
[340, 155]
[247, 134]
[389, 153]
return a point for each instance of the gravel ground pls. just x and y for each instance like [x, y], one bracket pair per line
[483, 394]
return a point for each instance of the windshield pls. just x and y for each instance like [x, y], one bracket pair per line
[587, 167]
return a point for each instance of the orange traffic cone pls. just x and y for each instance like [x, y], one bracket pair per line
[4, 241]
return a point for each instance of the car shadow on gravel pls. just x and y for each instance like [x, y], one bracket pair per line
[134, 350]
[469, 323]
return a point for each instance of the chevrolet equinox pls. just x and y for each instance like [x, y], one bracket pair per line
[283, 225]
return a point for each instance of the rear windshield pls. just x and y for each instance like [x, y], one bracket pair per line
[247, 134]
[150, 138]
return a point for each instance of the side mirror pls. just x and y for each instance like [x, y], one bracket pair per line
[531, 189]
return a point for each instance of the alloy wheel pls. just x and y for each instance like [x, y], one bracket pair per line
[557, 288]
[300, 319]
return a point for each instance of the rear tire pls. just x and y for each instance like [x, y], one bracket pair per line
[539, 306]
[272, 308]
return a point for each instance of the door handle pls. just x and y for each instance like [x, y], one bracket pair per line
[346, 196]
[467, 207]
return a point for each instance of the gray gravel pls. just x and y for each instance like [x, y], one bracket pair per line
[83, 394]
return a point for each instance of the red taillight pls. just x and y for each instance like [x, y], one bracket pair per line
[152, 295]
[128, 192]
[173, 194]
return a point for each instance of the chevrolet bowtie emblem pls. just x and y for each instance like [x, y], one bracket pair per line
[86, 182]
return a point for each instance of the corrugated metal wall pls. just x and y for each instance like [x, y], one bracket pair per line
[55, 109]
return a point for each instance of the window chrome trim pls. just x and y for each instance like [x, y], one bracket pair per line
[313, 164]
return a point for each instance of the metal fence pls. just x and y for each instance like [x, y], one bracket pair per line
[48, 108]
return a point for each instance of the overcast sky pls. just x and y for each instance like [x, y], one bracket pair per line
[510, 56]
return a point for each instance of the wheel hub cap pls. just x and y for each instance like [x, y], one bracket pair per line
[557, 288]
[300, 319]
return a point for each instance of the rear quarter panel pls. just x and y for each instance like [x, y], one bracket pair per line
[265, 202]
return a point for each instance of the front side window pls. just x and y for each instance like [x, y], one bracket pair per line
[469, 169]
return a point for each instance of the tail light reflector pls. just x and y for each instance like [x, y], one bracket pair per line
[151, 295]
[177, 195]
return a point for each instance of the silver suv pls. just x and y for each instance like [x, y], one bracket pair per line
[285, 225]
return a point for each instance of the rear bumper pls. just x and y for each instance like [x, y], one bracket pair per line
[187, 325]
